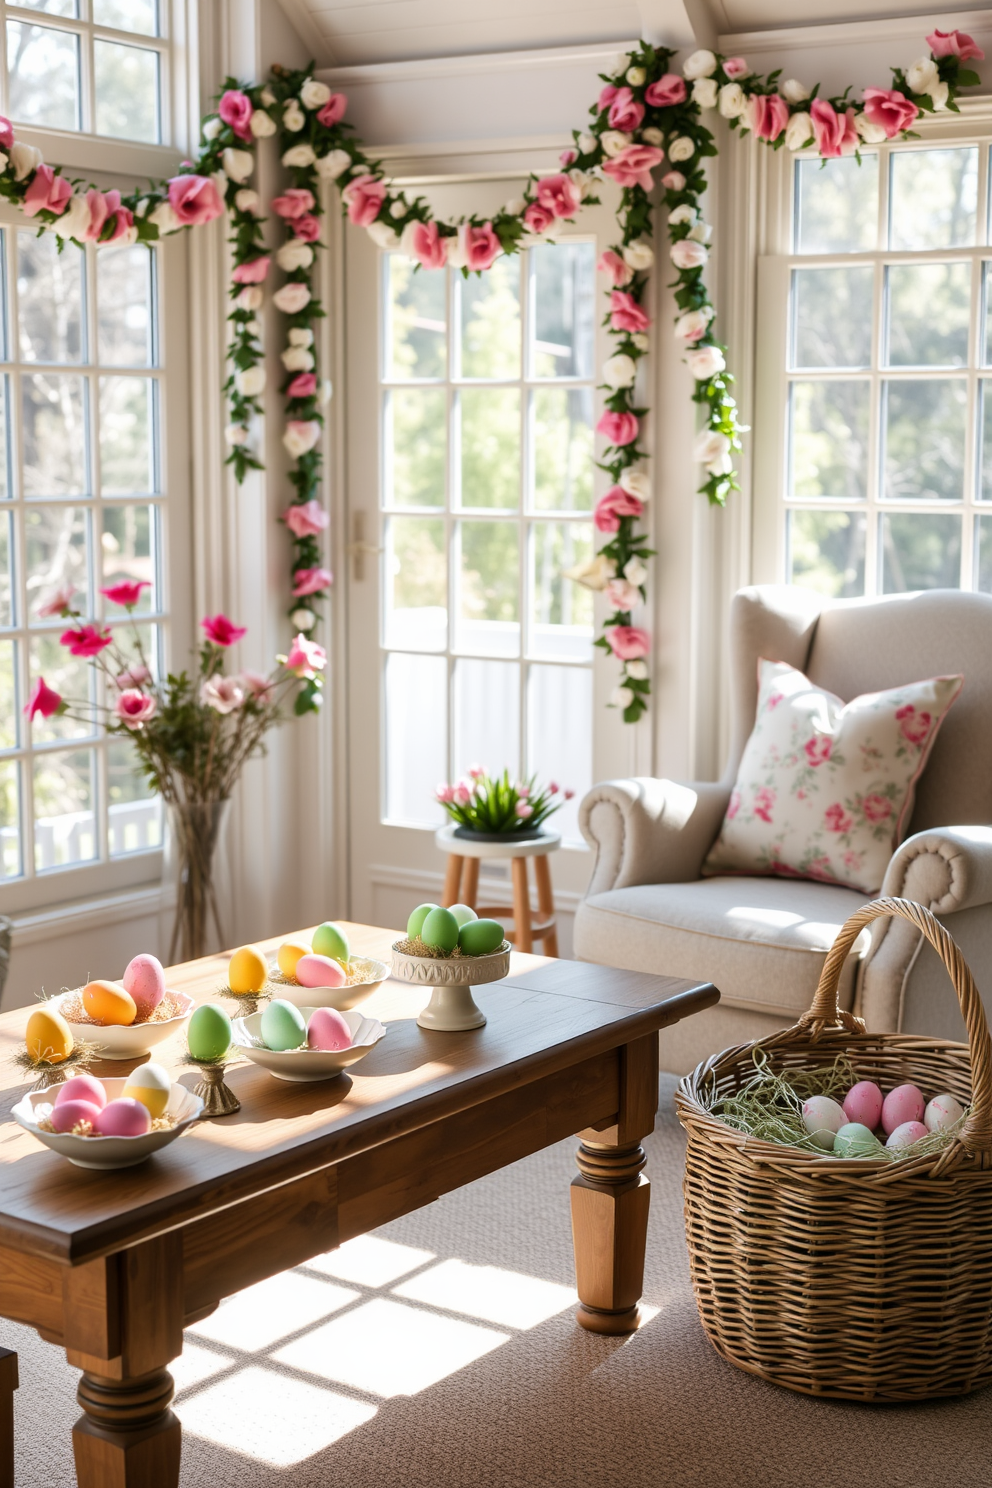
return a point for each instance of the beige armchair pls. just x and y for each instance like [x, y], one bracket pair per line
[762, 941]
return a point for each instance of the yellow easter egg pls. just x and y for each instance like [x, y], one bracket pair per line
[48, 1036]
[150, 1084]
[289, 953]
[248, 971]
[108, 1003]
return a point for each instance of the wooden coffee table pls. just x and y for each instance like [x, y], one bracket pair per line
[112, 1266]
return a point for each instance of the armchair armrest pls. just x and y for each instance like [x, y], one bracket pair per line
[947, 869]
[650, 831]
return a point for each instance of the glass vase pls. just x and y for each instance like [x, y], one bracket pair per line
[196, 829]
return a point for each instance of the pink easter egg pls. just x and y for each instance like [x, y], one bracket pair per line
[145, 980]
[319, 971]
[69, 1113]
[328, 1030]
[123, 1118]
[863, 1102]
[84, 1088]
[903, 1104]
[906, 1134]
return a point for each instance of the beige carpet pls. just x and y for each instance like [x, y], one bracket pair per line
[394, 1365]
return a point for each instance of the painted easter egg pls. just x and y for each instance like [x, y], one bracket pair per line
[463, 913]
[289, 954]
[151, 1085]
[145, 980]
[208, 1033]
[903, 1104]
[863, 1104]
[123, 1117]
[328, 1030]
[907, 1134]
[84, 1088]
[320, 971]
[823, 1119]
[481, 937]
[109, 1004]
[330, 940]
[856, 1140]
[248, 970]
[67, 1114]
[415, 923]
[282, 1026]
[48, 1036]
[440, 930]
[942, 1112]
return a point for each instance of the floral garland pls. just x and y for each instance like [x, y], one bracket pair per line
[643, 111]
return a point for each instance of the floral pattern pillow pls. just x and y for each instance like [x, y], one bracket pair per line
[825, 788]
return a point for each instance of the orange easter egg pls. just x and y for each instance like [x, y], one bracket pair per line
[108, 1003]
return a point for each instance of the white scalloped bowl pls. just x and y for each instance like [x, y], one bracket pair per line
[117, 1041]
[342, 998]
[108, 1152]
[304, 1065]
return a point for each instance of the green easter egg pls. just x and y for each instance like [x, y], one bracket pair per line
[283, 1026]
[330, 940]
[415, 923]
[440, 929]
[208, 1033]
[855, 1140]
[481, 937]
[463, 913]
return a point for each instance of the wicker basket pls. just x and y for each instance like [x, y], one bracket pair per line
[851, 1279]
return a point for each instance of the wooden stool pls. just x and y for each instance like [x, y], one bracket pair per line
[8, 1384]
[461, 883]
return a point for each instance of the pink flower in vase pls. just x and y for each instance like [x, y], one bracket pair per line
[445, 793]
[86, 640]
[524, 810]
[133, 676]
[44, 700]
[57, 603]
[126, 593]
[221, 631]
[462, 795]
[476, 772]
[134, 707]
[256, 687]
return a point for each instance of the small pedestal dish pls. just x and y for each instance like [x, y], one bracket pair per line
[108, 1152]
[305, 1065]
[452, 1007]
[218, 1099]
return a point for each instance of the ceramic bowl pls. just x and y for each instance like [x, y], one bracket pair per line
[305, 1064]
[118, 1042]
[374, 973]
[108, 1152]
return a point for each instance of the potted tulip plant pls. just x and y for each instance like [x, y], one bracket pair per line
[192, 731]
[484, 805]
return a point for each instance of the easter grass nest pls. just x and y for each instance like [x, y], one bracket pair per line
[414, 946]
[769, 1106]
[357, 972]
[73, 1010]
[53, 1072]
[84, 1129]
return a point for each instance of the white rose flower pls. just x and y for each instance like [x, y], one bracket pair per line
[294, 255]
[221, 693]
[733, 100]
[142, 206]
[267, 96]
[400, 209]
[75, 219]
[3, 161]
[249, 201]
[673, 181]
[593, 573]
[922, 75]
[238, 164]
[24, 159]
[794, 92]
[300, 437]
[621, 697]
[637, 669]
[587, 143]
[701, 64]
[212, 128]
[586, 182]
[251, 297]
[515, 207]
[635, 482]
[261, 124]
[652, 136]
[939, 94]
[236, 434]
[872, 134]
[250, 381]
[701, 233]
[220, 181]
[636, 77]
[254, 328]
[704, 93]
[681, 149]
[613, 141]
[458, 253]
[619, 371]
[620, 63]
[314, 95]
[303, 619]
[682, 214]
[692, 325]
[293, 117]
[292, 298]
[383, 235]
[639, 254]
[710, 445]
[300, 336]
[640, 339]
[798, 131]
[165, 218]
[330, 166]
[705, 362]
[126, 240]
[688, 254]
[299, 156]
[297, 359]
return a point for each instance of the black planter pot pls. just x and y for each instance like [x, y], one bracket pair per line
[524, 834]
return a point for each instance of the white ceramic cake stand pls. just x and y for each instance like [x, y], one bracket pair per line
[452, 1006]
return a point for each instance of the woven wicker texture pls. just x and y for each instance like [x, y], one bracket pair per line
[853, 1279]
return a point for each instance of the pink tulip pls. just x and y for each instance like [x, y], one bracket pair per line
[293, 203]
[523, 810]
[615, 504]
[333, 110]
[618, 428]
[56, 603]
[668, 90]
[559, 195]
[253, 272]
[626, 314]
[256, 687]
[306, 519]
[236, 110]
[633, 166]
[522, 790]
[569, 794]
[134, 707]
[612, 264]
[476, 771]
[6, 133]
[126, 593]
[553, 788]
[364, 198]
[445, 793]
[606, 96]
[889, 109]
[303, 385]
[221, 631]
[133, 676]
[538, 218]
[47, 193]
[482, 246]
[307, 228]
[306, 658]
[44, 700]
[835, 133]
[628, 642]
[427, 245]
[195, 200]
[461, 795]
[86, 640]
[947, 44]
[311, 581]
[625, 112]
[768, 114]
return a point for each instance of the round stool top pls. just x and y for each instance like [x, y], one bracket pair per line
[496, 846]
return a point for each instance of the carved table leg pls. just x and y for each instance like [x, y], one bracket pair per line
[609, 1230]
[127, 1437]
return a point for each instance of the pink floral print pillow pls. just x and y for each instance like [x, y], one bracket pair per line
[825, 788]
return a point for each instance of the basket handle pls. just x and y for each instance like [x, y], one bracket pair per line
[976, 1134]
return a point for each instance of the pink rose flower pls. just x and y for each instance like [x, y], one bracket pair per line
[523, 810]
[47, 193]
[876, 808]
[482, 246]
[256, 687]
[837, 819]
[123, 222]
[126, 593]
[101, 206]
[736, 67]
[303, 385]
[890, 110]
[913, 726]
[768, 114]
[306, 228]
[427, 245]
[673, 181]
[305, 658]
[221, 631]
[133, 676]
[57, 603]
[134, 707]
[618, 428]
[606, 96]
[633, 166]
[307, 518]
[44, 700]
[333, 110]
[6, 133]
[567, 158]
[559, 195]
[625, 112]
[764, 800]
[612, 264]
[538, 218]
[293, 203]
[622, 594]
[253, 272]
[626, 314]
[223, 694]
[818, 749]
[947, 44]
[835, 133]
[667, 91]
[615, 504]
[195, 200]
[734, 805]
[628, 642]
[236, 110]
[686, 254]
[311, 581]
[86, 640]
[364, 198]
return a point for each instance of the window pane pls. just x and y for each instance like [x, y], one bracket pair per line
[416, 584]
[488, 604]
[126, 413]
[832, 317]
[983, 554]
[72, 678]
[562, 441]
[128, 15]
[929, 311]
[136, 643]
[64, 820]
[6, 570]
[985, 434]
[563, 296]
[10, 829]
[559, 737]
[43, 66]
[827, 552]
[50, 299]
[837, 205]
[487, 716]
[124, 306]
[52, 7]
[127, 545]
[8, 696]
[934, 198]
[57, 553]
[126, 84]
[416, 319]
[134, 811]
[829, 439]
[415, 443]
[489, 309]
[920, 550]
[924, 440]
[54, 434]
[5, 490]
[490, 446]
[561, 614]
[416, 758]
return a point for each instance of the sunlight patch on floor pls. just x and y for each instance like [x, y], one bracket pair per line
[488, 1292]
[370, 1261]
[262, 1314]
[195, 1365]
[264, 1415]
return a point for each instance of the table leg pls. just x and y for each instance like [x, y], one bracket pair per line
[452, 880]
[523, 940]
[127, 1437]
[609, 1230]
[470, 882]
[8, 1384]
[546, 904]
